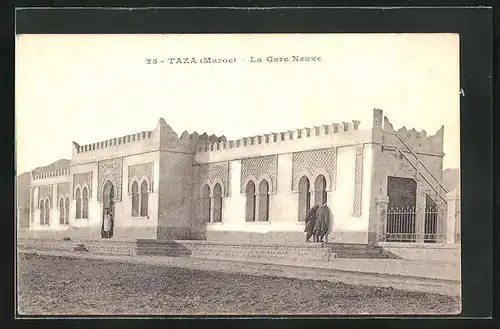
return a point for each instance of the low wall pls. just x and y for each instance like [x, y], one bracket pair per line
[103, 246]
[45, 244]
[442, 252]
[94, 233]
[74, 233]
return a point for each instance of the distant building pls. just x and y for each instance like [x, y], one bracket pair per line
[381, 184]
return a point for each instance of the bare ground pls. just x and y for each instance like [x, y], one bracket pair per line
[74, 286]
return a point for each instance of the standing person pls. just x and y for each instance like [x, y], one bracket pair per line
[322, 223]
[310, 222]
[108, 222]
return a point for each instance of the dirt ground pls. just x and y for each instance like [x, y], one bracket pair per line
[70, 286]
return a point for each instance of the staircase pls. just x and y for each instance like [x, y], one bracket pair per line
[235, 250]
[422, 170]
[320, 252]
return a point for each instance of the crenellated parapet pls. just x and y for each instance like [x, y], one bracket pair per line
[50, 174]
[134, 138]
[162, 138]
[418, 140]
[222, 143]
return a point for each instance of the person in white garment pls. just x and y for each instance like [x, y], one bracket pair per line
[108, 223]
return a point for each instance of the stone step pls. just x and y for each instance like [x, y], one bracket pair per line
[213, 250]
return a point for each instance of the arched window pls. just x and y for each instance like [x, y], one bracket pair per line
[66, 211]
[250, 202]
[42, 212]
[78, 204]
[135, 199]
[304, 197]
[61, 211]
[217, 203]
[263, 201]
[320, 190]
[144, 199]
[85, 207]
[206, 203]
[47, 212]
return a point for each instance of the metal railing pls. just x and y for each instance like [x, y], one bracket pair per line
[402, 225]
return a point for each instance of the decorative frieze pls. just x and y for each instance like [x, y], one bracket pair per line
[46, 192]
[260, 167]
[62, 190]
[215, 172]
[358, 181]
[309, 162]
[83, 179]
[137, 172]
[110, 170]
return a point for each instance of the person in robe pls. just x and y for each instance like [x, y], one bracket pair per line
[310, 222]
[108, 223]
[322, 223]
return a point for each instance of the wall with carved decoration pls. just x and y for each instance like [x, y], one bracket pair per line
[110, 170]
[85, 173]
[52, 193]
[349, 201]
[46, 192]
[81, 180]
[139, 172]
[213, 173]
[138, 167]
[47, 187]
[313, 162]
[358, 181]
[259, 168]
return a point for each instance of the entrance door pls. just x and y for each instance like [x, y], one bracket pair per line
[108, 202]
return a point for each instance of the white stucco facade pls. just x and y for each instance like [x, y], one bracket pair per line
[353, 163]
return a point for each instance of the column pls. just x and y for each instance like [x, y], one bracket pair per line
[257, 207]
[420, 214]
[212, 208]
[314, 199]
[382, 202]
[442, 221]
[451, 218]
[54, 211]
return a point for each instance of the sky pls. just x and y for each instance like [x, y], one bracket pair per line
[88, 88]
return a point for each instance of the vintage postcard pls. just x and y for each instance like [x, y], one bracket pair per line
[238, 174]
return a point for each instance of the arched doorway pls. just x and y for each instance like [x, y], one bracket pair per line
[108, 195]
[320, 196]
